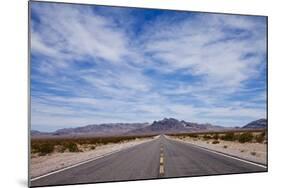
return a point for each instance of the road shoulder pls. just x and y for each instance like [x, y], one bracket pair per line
[232, 150]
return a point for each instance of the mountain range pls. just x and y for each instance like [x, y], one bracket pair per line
[258, 124]
[171, 125]
[166, 125]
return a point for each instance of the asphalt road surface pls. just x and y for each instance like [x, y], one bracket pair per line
[161, 157]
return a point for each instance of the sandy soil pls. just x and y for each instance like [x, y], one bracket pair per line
[41, 165]
[256, 152]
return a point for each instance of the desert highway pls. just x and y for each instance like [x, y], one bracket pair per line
[161, 157]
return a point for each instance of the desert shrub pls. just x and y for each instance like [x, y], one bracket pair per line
[242, 150]
[260, 138]
[193, 135]
[34, 148]
[71, 146]
[253, 153]
[215, 142]
[228, 137]
[93, 147]
[44, 148]
[225, 146]
[207, 137]
[60, 148]
[216, 137]
[245, 137]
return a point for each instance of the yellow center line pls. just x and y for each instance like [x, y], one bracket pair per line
[161, 160]
[161, 166]
[161, 171]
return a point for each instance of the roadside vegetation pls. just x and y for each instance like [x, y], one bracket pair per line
[49, 145]
[249, 136]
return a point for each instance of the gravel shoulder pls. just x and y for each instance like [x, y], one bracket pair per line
[41, 165]
[256, 152]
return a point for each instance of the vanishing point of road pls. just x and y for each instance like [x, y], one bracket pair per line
[160, 158]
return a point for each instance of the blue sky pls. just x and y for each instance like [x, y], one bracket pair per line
[94, 64]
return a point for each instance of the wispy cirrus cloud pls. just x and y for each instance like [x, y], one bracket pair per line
[92, 64]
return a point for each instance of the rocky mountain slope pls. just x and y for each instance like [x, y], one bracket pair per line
[171, 125]
[258, 124]
[102, 129]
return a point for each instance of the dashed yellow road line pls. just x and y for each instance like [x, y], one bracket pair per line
[161, 171]
[161, 166]
[161, 160]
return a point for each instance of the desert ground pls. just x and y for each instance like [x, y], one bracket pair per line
[252, 149]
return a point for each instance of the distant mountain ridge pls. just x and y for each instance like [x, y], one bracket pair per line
[37, 133]
[171, 125]
[102, 129]
[166, 125]
[258, 124]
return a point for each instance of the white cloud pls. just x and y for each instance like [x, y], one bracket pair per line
[71, 32]
[91, 70]
[203, 48]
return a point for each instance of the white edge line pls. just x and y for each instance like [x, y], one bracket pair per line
[225, 155]
[84, 162]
